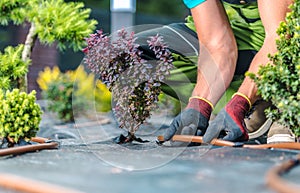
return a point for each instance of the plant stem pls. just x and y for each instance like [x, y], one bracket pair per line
[26, 54]
[135, 128]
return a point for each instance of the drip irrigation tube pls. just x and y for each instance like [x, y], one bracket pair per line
[25, 185]
[273, 179]
[275, 182]
[42, 143]
[220, 142]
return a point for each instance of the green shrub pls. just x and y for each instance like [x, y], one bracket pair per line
[19, 115]
[279, 80]
[60, 94]
[66, 23]
[51, 21]
[12, 67]
[73, 92]
[135, 82]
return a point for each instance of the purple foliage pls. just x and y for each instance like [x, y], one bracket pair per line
[134, 82]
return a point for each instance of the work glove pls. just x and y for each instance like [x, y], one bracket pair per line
[193, 120]
[229, 124]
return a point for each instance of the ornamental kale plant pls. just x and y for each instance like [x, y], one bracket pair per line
[279, 80]
[134, 81]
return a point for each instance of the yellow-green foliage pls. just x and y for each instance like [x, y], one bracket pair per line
[66, 23]
[102, 97]
[47, 76]
[93, 91]
[19, 115]
[12, 67]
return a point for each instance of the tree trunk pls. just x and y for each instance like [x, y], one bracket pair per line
[26, 55]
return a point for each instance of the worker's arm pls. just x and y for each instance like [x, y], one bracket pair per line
[216, 66]
[230, 120]
[272, 12]
[218, 50]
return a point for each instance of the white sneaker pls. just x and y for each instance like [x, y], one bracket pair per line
[280, 134]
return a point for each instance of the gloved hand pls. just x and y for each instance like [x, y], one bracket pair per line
[229, 123]
[192, 121]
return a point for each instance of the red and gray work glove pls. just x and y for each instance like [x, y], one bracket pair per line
[229, 123]
[193, 120]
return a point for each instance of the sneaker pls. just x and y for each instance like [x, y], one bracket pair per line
[280, 134]
[256, 122]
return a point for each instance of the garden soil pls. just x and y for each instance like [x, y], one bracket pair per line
[88, 160]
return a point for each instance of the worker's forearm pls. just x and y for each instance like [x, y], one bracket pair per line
[248, 86]
[215, 71]
[272, 12]
[218, 50]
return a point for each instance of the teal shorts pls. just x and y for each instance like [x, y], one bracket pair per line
[192, 3]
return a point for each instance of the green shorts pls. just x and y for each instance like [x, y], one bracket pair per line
[183, 43]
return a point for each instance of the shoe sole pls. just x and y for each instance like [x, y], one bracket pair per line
[262, 130]
[281, 138]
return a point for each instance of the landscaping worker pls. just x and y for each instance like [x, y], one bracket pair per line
[225, 50]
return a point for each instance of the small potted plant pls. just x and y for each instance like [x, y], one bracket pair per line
[134, 82]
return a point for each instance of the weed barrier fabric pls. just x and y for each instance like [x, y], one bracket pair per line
[90, 163]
